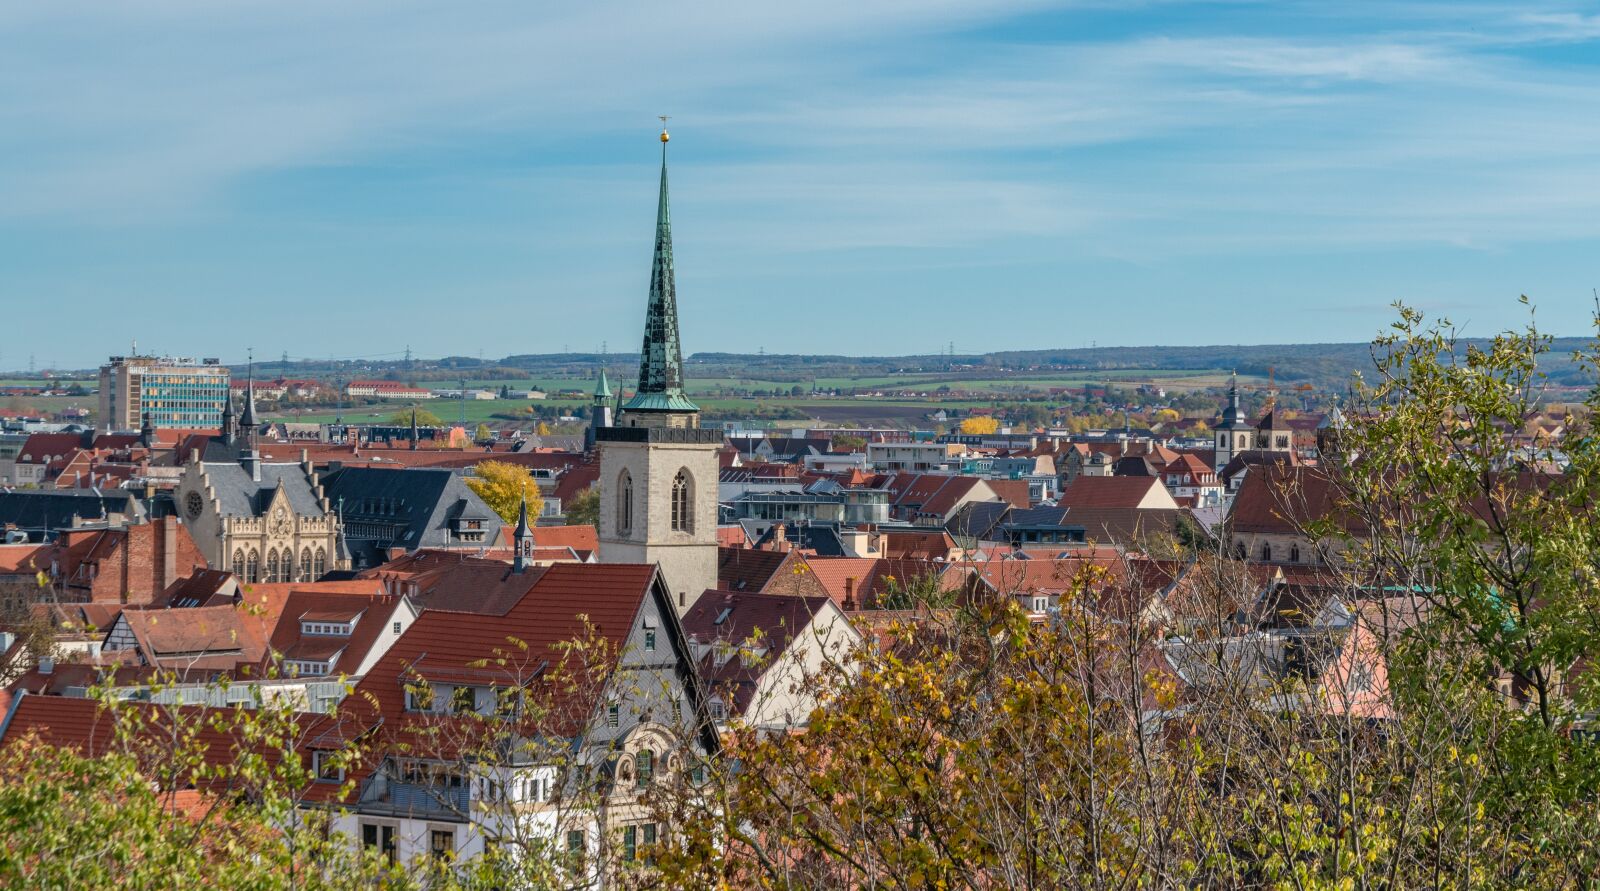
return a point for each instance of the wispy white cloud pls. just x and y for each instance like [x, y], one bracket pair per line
[910, 134]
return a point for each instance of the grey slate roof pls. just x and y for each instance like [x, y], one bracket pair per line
[50, 510]
[241, 496]
[420, 503]
[977, 519]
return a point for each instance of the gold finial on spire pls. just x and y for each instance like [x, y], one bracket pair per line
[664, 136]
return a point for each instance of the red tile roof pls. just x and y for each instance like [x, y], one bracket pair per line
[768, 621]
[445, 644]
[372, 613]
[744, 569]
[453, 580]
[899, 544]
[860, 583]
[1107, 491]
[1013, 492]
[204, 637]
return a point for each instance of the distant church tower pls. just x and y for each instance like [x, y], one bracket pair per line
[658, 468]
[600, 414]
[1234, 433]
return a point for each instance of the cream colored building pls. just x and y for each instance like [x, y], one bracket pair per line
[272, 526]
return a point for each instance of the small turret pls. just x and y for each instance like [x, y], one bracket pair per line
[522, 539]
[147, 431]
[249, 458]
[601, 413]
[230, 427]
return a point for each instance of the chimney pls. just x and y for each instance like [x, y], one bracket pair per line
[169, 555]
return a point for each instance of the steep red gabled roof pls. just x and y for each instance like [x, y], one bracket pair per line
[452, 580]
[86, 726]
[1189, 464]
[372, 615]
[42, 448]
[567, 601]
[860, 583]
[1013, 492]
[1279, 498]
[1107, 491]
[736, 620]
[745, 569]
[204, 637]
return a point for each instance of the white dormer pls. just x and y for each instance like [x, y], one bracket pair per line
[326, 623]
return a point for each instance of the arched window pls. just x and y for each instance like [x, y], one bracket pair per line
[272, 566]
[320, 567]
[1266, 552]
[252, 567]
[305, 566]
[682, 494]
[238, 561]
[624, 503]
[1238, 550]
[1294, 553]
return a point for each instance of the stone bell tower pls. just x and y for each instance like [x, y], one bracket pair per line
[658, 468]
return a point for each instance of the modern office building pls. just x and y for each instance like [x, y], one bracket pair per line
[182, 393]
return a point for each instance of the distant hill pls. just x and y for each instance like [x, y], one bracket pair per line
[1323, 365]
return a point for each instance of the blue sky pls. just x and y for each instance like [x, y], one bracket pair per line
[885, 177]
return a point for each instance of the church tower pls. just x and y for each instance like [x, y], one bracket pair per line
[1234, 433]
[658, 468]
[600, 414]
[249, 428]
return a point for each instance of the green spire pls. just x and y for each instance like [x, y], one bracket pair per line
[661, 358]
[602, 387]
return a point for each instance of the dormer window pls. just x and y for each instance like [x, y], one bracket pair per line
[326, 629]
[308, 668]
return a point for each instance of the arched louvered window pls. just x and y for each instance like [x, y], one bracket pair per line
[319, 567]
[625, 503]
[682, 498]
[252, 567]
[305, 566]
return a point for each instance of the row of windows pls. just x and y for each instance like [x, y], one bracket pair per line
[1266, 552]
[682, 508]
[280, 565]
[380, 836]
[307, 669]
[337, 629]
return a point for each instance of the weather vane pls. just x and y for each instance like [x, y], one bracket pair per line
[663, 118]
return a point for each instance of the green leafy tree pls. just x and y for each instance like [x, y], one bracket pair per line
[503, 485]
[425, 418]
[583, 509]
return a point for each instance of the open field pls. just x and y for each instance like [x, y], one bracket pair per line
[974, 379]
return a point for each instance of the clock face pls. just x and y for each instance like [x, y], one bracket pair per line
[194, 504]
